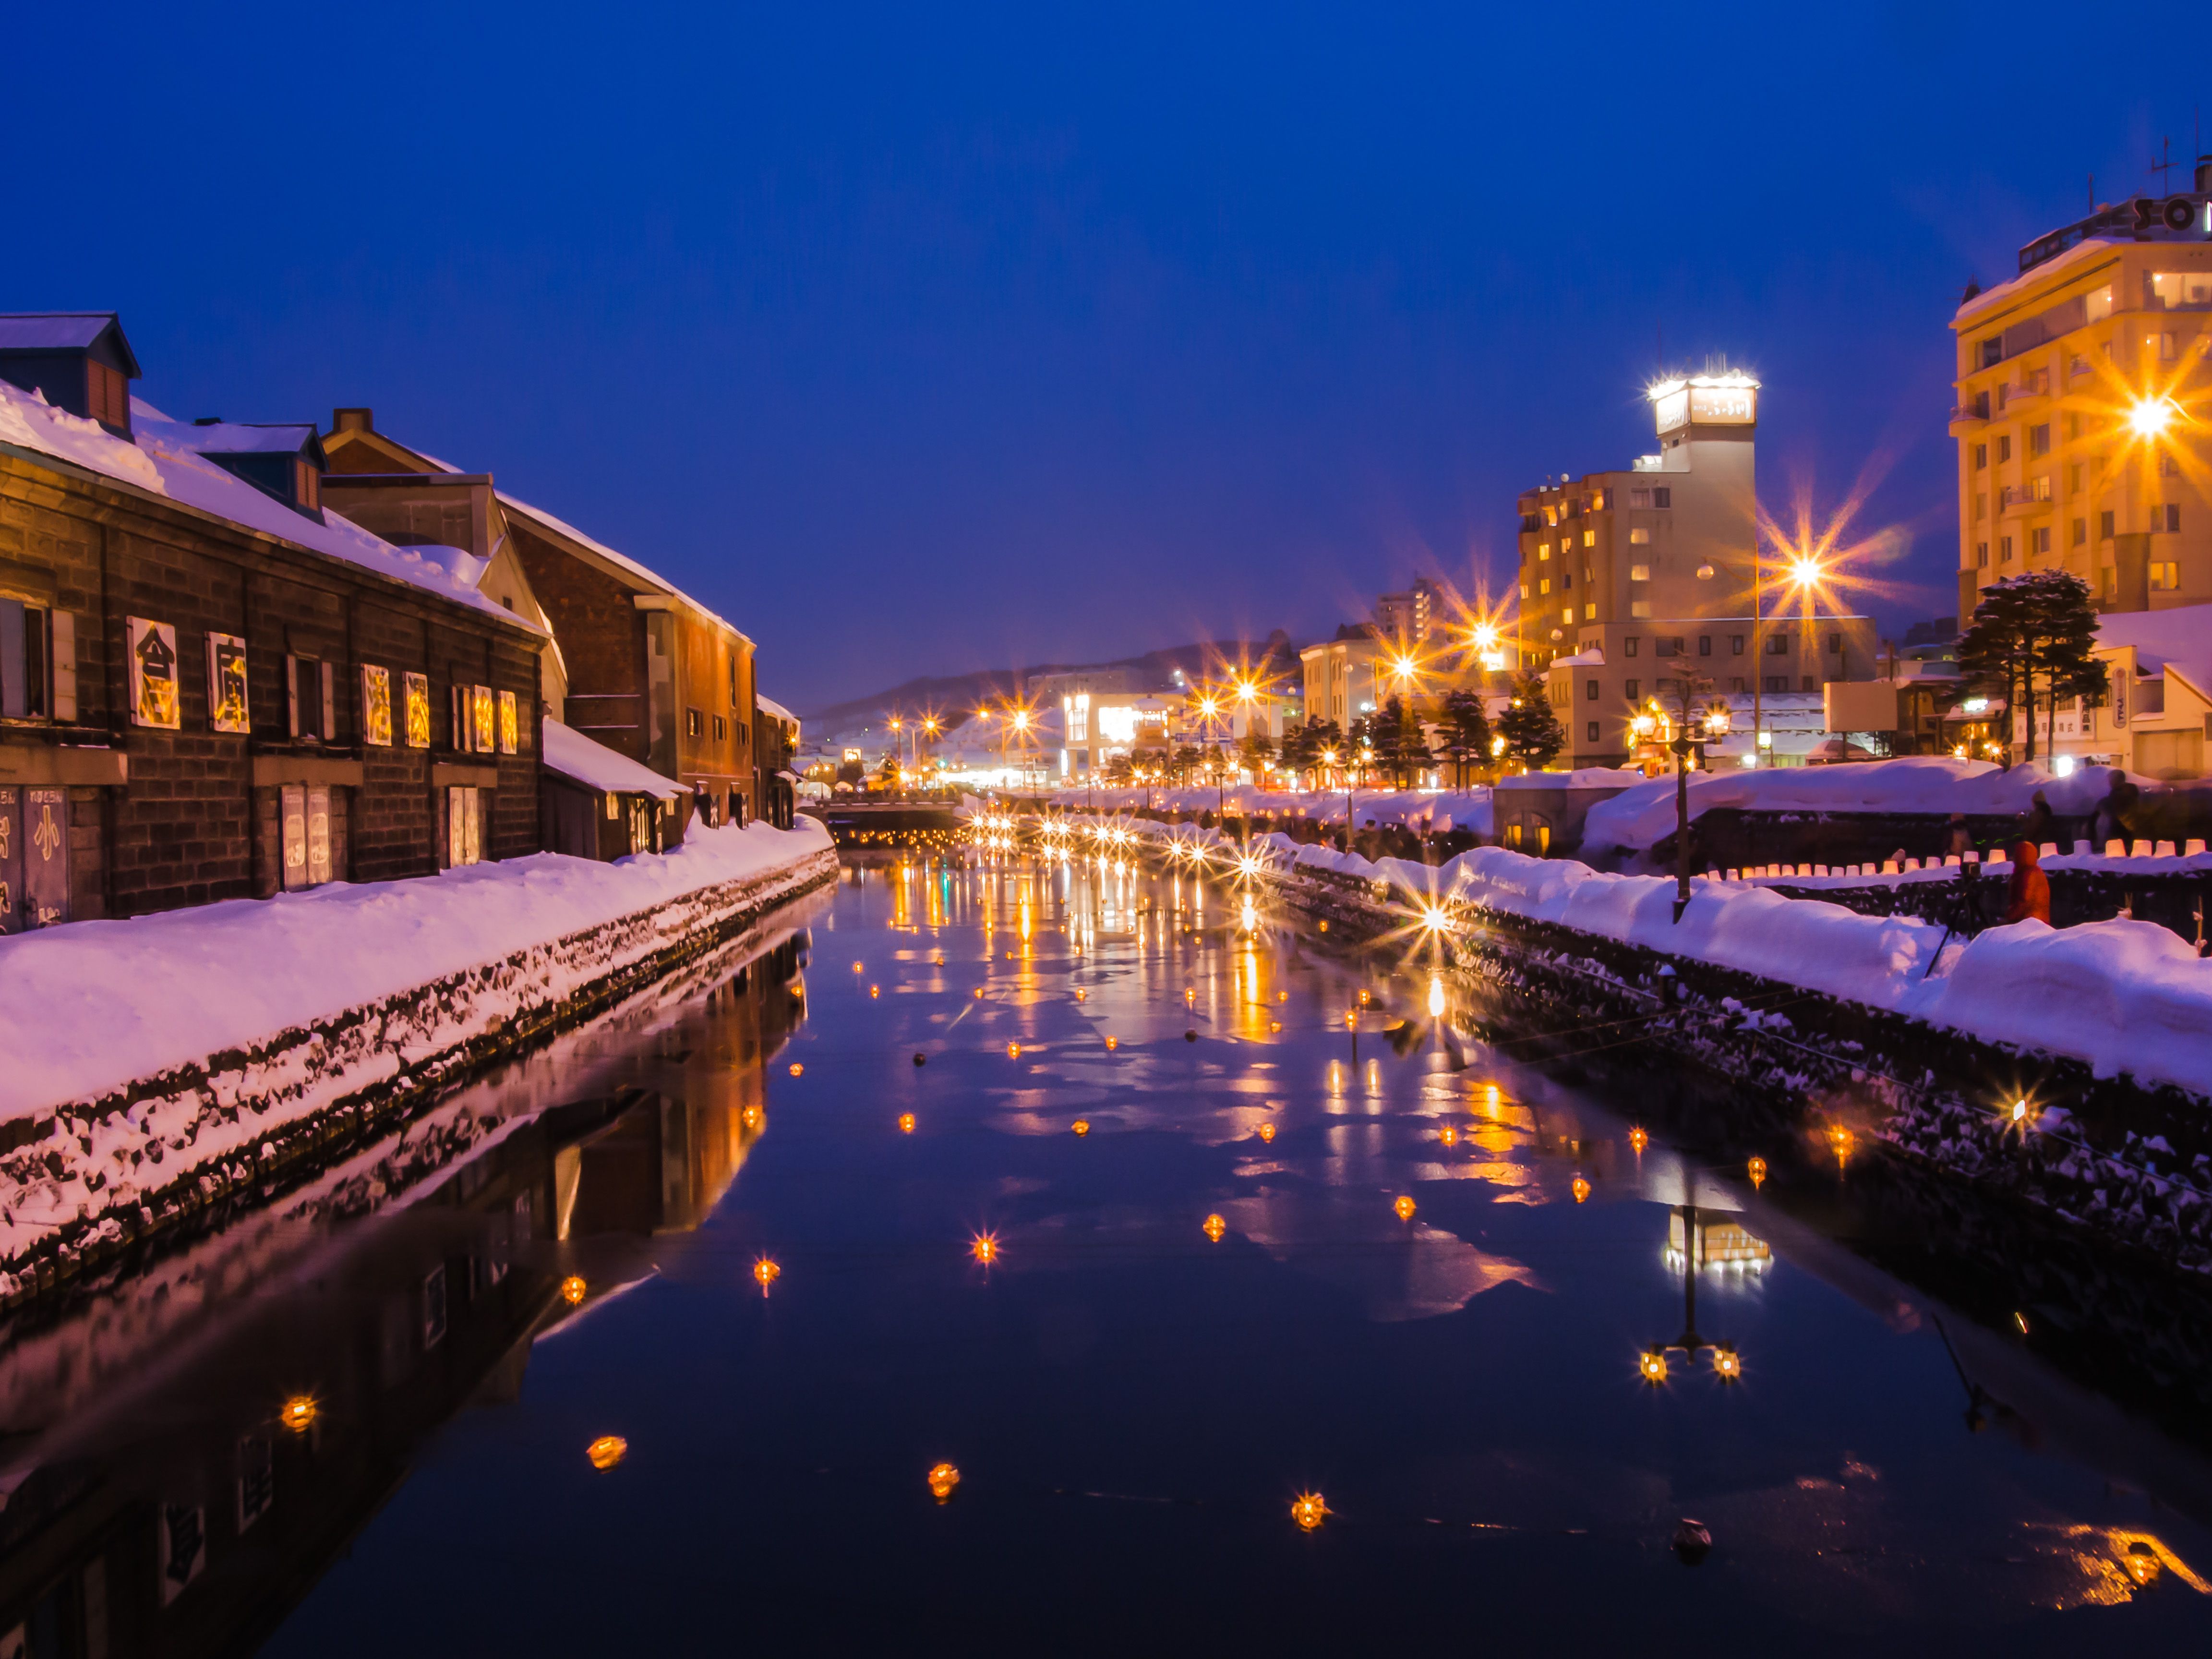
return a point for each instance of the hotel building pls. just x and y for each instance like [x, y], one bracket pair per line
[1629, 579]
[2082, 395]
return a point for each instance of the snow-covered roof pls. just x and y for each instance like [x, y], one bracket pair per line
[2180, 639]
[595, 766]
[166, 461]
[623, 561]
[1588, 777]
[775, 708]
[254, 437]
[1990, 298]
[58, 330]
[1593, 658]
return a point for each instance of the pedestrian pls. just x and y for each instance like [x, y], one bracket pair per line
[2038, 818]
[1960, 840]
[2116, 812]
[2029, 895]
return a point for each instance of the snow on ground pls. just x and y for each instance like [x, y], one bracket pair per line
[2121, 996]
[123, 1001]
[1417, 809]
[1936, 784]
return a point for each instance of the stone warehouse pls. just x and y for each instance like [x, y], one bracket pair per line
[209, 687]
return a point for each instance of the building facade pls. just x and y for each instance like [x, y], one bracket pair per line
[209, 690]
[1632, 582]
[642, 667]
[1345, 677]
[2081, 414]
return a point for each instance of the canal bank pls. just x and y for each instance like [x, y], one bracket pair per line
[174, 1061]
[2068, 1070]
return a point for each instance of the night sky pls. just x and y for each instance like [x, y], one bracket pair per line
[921, 343]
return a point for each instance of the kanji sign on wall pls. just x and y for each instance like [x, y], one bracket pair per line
[226, 670]
[153, 673]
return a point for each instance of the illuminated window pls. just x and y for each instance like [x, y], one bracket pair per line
[1545, 585]
[2165, 575]
[2100, 304]
[1639, 608]
[1589, 613]
[1524, 590]
[2039, 488]
[1567, 615]
[2161, 344]
[1639, 573]
[1590, 538]
[1639, 537]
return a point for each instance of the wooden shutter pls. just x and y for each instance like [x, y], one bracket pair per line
[63, 640]
[330, 731]
[292, 695]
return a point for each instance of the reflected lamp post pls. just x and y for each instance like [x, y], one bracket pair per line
[1727, 1365]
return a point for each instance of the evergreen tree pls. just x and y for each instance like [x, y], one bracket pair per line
[1256, 752]
[1400, 741]
[1120, 771]
[2035, 626]
[1466, 732]
[1532, 731]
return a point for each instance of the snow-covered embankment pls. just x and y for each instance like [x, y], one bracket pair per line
[169, 1059]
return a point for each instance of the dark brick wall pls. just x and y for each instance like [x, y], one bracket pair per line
[602, 636]
[189, 827]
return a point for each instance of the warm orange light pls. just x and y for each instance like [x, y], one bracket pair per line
[796, 1068]
[1758, 1172]
[607, 1450]
[1014, 1051]
[2149, 417]
[1448, 1134]
[979, 993]
[752, 1117]
[1652, 1364]
[1082, 1127]
[765, 1273]
[1727, 1365]
[1639, 1139]
[875, 990]
[906, 1123]
[572, 1289]
[1082, 995]
[1112, 1043]
[1309, 1511]
[856, 967]
[984, 1247]
[1213, 1227]
[1267, 1132]
[1581, 1190]
[943, 1477]
[1404, 1207]
[299, 1413]
[1840, 1142]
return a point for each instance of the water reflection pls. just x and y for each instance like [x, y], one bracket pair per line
[192, 1442]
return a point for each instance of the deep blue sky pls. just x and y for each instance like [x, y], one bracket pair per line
[917, 341]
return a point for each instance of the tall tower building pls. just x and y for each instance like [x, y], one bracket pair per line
[2082, 408]
[1631, 579]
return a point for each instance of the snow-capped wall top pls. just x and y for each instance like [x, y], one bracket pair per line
[253, 438]
[2180, 638]
[1588, 777]
[1918, 783]
[594, 765]
[776, 709]
[166, 461]
[622, 560]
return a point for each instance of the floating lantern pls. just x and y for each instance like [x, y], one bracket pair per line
[1082, 1127]
[1728, 1366]
[1758, 1172]
[856, 967]
[572, 1289]
[1307, 1509]
[1189, 996]
[796, 1068]
[1213, 1227]
[1112, 1043]
[1282, 996]
[875, 990]
[984, 1247]
[1014, 1051]
[943, 1477]
[765, 1273]
[906, 1123]
[1267, 1132]
[1324, 927]
[1448, 1134]
[1363, 999]
[979, 993]
[1581, 1190]
[1639, 1139]
[1839, 1140]
[1651, 1365]
[1404, 1207]
[607, 1450]
[1275, 1025]
[1081, 994]
[299, 1413]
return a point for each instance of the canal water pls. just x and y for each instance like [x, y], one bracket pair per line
[512, 1381]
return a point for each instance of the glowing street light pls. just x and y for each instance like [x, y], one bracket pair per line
[2149, 417]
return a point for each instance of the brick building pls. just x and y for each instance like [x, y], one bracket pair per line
[210, 687]
[641, 668]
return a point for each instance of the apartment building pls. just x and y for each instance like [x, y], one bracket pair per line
[2083, 396]
[1630, 578]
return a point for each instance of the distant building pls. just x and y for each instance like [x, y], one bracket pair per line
[1406, 619]
[2154, 717]
[1341, 679]
[2075, 452]
[1631, 580]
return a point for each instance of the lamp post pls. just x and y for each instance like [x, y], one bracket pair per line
[1726, 1364]
[1695, 734]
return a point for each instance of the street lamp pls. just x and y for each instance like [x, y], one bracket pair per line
[1728, 1366]
[1697, 730]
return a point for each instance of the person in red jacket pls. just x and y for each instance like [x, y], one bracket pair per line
[2030, 893]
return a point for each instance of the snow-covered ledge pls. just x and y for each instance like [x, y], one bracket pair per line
[158, 1063]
